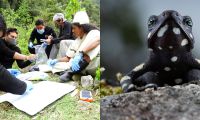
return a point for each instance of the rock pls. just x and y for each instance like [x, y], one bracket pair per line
[167, 103]
[87, 81]
[76, 77]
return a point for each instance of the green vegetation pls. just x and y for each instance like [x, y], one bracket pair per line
[107, 90]
[98, 74]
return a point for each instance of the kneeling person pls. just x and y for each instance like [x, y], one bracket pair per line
[41, 31]
[10, 52]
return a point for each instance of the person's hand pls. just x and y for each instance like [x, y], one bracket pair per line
[51, 62]
[75, 62]
[29, 86]
[31, 57]
[30, 45]
[44, 45]
[48, 41]
[14, 72]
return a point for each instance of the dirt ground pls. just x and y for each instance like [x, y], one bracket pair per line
[167, 103]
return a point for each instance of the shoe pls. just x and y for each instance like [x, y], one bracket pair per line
[67, 76]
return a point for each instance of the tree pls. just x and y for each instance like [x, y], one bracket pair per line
[93, 9]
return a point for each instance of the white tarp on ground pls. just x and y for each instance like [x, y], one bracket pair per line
[43, 94]
[58, 67]
[35, 75]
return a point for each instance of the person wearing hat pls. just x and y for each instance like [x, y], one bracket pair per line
[65, 36]
[83, 54]
[8, 82]
[40, 33]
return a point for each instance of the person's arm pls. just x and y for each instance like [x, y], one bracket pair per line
[92, 45]
[9, 83]
[64, 59]
[32, 37]
[53, 33]
[19, 56]
[13, 54]
[66, 34]
[22, 63]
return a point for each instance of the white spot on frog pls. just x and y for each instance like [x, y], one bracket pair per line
[184, 42]
[174, 59]
[170, 47]
[162, 31]
[130, 86]
[139, 67]
[191, 35]
[125, 78]
[124, 85]
[176, 31]
[198, 60]
[149, 35]
[167, 68]
[178, 80]
[160, 48]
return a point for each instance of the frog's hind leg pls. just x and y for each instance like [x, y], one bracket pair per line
[147, 80]
[193, 75]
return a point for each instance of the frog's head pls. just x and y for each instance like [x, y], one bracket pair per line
[170, 31]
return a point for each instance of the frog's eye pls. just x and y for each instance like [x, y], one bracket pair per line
[188, 21]
[152, 21]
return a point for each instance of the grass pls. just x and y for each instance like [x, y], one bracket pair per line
[66, 108]
[107, 90]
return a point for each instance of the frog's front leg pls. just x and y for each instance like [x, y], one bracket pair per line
[194, 73]
[138, 77]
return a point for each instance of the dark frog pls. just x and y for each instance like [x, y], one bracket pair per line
[170, 41]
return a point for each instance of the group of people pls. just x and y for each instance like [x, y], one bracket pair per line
[78, 44]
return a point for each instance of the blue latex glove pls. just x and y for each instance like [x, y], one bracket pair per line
[14, 72]
[51, 62]
[75, 62]
[29, 86]
[44, 44]
[30, 45]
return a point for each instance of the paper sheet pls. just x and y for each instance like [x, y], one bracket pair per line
[34, 75]
[43, 94]
[58, 67]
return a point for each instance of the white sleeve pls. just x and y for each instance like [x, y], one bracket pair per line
[88, 39]
[73, 48]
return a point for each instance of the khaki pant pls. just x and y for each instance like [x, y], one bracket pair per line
[59, 50]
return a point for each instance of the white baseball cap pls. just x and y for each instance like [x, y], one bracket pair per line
[58, 16]
[81, 17]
